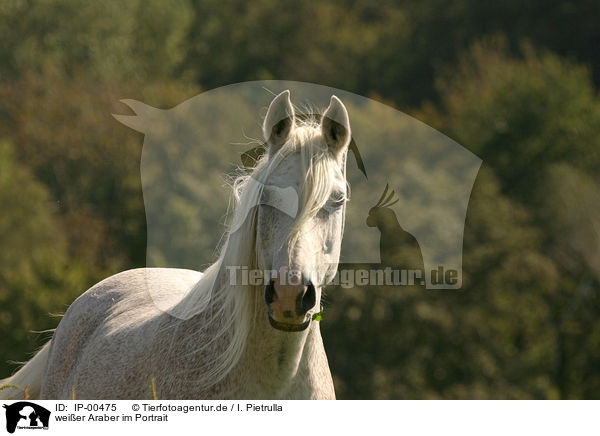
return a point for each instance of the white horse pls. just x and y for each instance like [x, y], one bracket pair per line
[222, 340]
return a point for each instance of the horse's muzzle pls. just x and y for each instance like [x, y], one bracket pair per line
[288, 305]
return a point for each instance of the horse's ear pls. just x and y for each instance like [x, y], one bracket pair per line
[335, 126]
[279, 121]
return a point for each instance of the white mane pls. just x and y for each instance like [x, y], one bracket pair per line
[233, 307]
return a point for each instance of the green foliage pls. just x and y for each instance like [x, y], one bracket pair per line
[525, 324]
[37, 277]
[520, 116]
[137, 39]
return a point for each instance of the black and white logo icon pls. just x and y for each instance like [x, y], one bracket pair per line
[26, 415]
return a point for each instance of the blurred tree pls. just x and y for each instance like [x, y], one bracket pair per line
[37, 276]
[521, 116]
[526, 323]
[68, 64]
[391, 49]
[140, 40]
[536, 124]
[344, 44]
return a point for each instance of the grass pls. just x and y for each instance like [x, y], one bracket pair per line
[9, 386]
[73, 396]
[153, 388]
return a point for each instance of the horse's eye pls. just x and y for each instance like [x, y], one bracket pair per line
[335, 203]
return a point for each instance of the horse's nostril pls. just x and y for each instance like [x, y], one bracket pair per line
[270, 292]
[309, 299]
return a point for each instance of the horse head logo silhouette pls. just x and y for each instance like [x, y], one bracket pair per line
[188, 148]
[27, 415]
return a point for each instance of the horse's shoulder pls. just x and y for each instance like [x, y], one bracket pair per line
[142, 276]
[131, 286]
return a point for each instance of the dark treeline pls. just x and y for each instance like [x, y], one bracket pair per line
[515, 82]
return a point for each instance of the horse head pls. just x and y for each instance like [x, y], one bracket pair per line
[303, 250]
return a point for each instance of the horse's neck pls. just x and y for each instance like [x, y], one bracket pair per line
[274, 363]
[273, 358]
